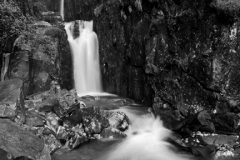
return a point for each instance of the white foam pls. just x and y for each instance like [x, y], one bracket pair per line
[145, 141]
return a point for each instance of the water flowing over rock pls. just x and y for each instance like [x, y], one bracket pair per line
[85, 52]
[62, 9]
[181, 57]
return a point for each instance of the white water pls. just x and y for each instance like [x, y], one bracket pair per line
[62, 9]
[85, 52]
[145, 141]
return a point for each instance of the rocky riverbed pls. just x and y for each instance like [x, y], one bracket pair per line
[38, 125]
[58, 121]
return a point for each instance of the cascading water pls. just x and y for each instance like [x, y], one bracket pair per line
[146, 140]
[85, 54]
[62, 9]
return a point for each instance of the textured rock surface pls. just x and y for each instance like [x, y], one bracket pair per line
[18, 141]
[184, 54]
[12, 100]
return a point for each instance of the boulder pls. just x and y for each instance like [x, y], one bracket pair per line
[93, 120]
[19, 142]
[111, 133]
[19, 65]
[12, 100]
[117, 120]
[53, 32]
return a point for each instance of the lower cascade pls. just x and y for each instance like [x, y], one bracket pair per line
[146, 140]
[85, 53]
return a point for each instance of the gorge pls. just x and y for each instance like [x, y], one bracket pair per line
[178, 60]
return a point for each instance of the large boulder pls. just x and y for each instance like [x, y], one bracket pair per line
[12, 100]
[19, 142]
[37, 57]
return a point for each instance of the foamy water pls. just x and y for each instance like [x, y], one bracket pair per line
[145, 141]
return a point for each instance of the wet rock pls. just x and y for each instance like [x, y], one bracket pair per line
[49, 105]
[111, 133]
[117, 120]
[72, 136]
[68, 98]
[227, 145]
[77, 136]
[52, 121]
[19, 142]
[34, 119]
[93, 120]
[12, 100]
[73, 115]
[51, 142]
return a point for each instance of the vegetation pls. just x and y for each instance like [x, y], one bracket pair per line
[15, 17]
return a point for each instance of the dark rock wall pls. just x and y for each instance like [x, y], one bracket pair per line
[182, 53]
[177, 54]
[122, 28]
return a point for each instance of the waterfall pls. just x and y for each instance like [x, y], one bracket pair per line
[62, 9]
[85, 53]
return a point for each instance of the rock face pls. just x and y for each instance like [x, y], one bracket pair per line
[37, 58]
[12, 100]
[169, 53]
[181, 55]
[19, 142]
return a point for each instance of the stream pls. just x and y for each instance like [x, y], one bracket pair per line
[145, 139]
[95, 149]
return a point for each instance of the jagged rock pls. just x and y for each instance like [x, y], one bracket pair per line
[117, 120]
[12, 99]
[112, 133]
[72, 137]
[51, 142]
[52, 121]
[53, 32]
[42, 24]
[42, 65]
[93, 120]
[19, 65]
[33, 118]
[226, 122]
[42, 81]
[68, 98]
[72, 116]
[205, 119]
[49, 104]
[19, 142]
